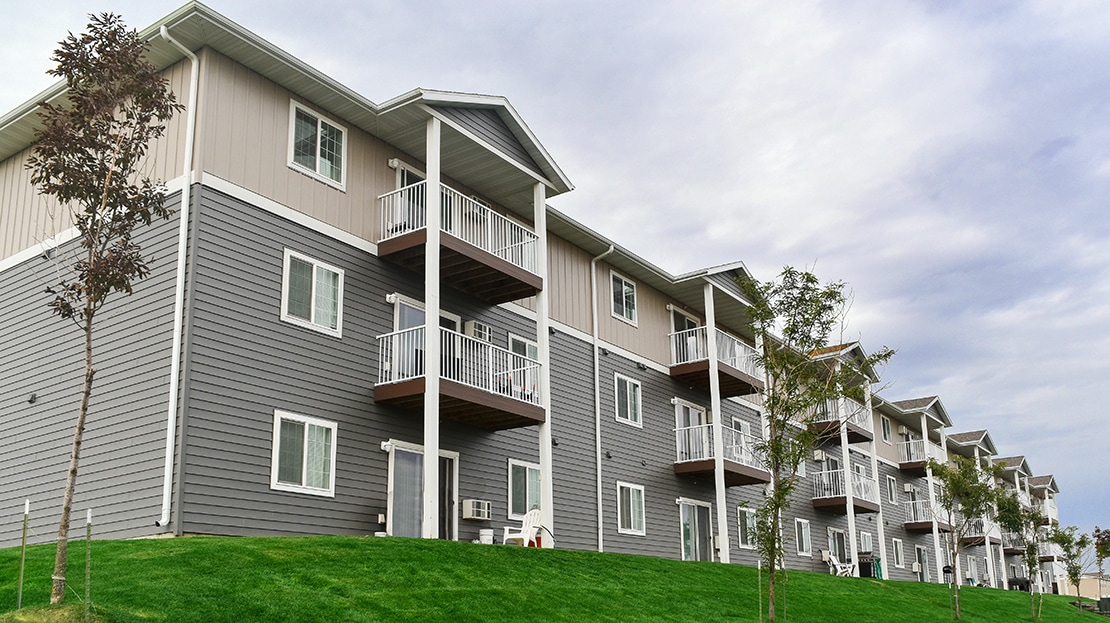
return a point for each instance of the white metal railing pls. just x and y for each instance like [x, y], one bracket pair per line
[919, 450]
[1013, 540]
[464, 359]
[1046, 549]
[854, 413]
[1050, 511]
[918, 511]
[404, 210]
[979, 527]
[830, 484]
[695, 443]
[691, 345]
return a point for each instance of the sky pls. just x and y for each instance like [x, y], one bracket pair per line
[949, 161]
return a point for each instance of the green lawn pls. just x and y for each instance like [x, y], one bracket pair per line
[209, 580]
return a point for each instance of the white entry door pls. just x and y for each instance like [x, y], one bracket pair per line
[697, 531]
[405, 511]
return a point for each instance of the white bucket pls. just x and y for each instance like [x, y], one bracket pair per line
[485, 536]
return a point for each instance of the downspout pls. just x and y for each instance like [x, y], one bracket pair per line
[179, 291]
[597, 396]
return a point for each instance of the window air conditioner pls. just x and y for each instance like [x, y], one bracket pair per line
[916, 567]
[476, 509]
[902, 430]
[818, 455]
[907, 487]
[478, 330]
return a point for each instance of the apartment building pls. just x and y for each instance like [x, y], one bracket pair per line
[278, 372]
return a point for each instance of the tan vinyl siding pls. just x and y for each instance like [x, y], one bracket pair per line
[246, 142]
[882, 449]
[30, 218]
[649, 337]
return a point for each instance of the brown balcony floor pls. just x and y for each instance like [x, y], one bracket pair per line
[464, 404]
[464, 267]
[839, 505]
[733, 382]
[831, 428]
[914, 468]
[736, 474]
[925, 526]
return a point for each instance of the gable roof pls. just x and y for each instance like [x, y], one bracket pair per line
[1014, 463]
[1044, 482]
[930, 405]
[970, 440]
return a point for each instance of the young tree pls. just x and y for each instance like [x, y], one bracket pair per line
[1016, 519]
[1073, 549]
[88, 156]
[967, 498]
[793, 318]
[1101, 540]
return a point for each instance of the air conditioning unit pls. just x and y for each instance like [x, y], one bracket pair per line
[476, 509]
[916, 567]
[478, 330]
[819, 455]
[907, 487]
[824, 555]
[902, 430]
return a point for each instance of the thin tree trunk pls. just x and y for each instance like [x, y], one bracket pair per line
[58, 588]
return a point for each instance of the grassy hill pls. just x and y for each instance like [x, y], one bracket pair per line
[364, 579]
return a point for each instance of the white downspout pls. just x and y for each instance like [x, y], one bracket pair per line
[179, 291]
[597, 396]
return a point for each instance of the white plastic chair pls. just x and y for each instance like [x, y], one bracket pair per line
[529, 526]
[842, 569]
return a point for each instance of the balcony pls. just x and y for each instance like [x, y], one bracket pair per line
[1013, 543]
[738, 370]
[977, 531]
[480, 384]
[1047, 552]
[743, 464]
[856, 420]
[913, 455]
[482, 252]
[920, 515]
[829, 492]
[1049, 512]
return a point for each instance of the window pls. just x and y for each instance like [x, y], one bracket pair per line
[802, 467]
[630, 509]
[524, 488]
[628, 400]
[899, 555]
[892, 489]
[318, 146]
[972, 570]
[624, 299]
[801, 537]
[303, 455]
[865, 542]
[746, 519]
[312, 294]
[884, 424]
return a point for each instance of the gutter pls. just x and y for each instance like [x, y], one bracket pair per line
[597, 395]
[179, 290]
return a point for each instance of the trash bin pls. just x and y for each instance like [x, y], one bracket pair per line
[1104, 604]
[485, 536]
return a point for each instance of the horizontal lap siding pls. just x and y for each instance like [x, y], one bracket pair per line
[246, 363]
[122, 457]
[572, 426]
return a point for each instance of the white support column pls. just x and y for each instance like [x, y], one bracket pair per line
[989, 556]
[938, 553]
[543, 344]
[430, 520]
[880, 528]
[718, 425]
[846, 481]
[1003, 573]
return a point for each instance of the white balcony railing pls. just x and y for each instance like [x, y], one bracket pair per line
[1050, 511]
[465, 360]
[1047, 550]
[977, 527]
[1013, 540]
[695, 443]
[918, 511]
[854, 413]
[830, 484]
[690, 345]
[919, 451]
[404, 211]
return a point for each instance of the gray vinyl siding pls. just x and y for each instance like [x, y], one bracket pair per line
[246, 363]
[487, 125]
[120, 474]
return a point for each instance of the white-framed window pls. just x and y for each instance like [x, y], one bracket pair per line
[745, 524]
[317, 146]
[866, 544]
[628, 400]
[801, 537]
[899, 553]
[802, 467]
[524, 488]
[630, 509]
[312, 294]
[884, 425]
[624, 297]
[892, 489]
[303, 455]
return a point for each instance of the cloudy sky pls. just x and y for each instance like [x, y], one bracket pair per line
[950, 161]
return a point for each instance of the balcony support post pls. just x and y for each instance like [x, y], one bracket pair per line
[718, 425]
[432, 345]
[848, 482]
[881, 530]
[543, 346]
[939, 556]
